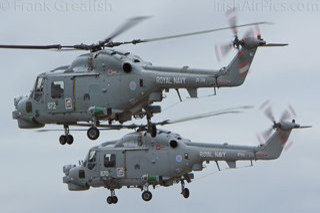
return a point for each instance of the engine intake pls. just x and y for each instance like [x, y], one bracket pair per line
[127, 67]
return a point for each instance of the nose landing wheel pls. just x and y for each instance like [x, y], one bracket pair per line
[113, 198]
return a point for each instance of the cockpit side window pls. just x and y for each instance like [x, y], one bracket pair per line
[57, 89]
[91, 159]
[38, 90]
[109, 160]
[39, 86]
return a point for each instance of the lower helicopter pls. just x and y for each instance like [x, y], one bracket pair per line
[139, 160]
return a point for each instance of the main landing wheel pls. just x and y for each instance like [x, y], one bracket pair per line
[93, 133]
[112, 200]
[153, 130]
[146, 196]
[185, 193]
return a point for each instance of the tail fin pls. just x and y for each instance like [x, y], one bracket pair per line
[273, 147]
[238, 69]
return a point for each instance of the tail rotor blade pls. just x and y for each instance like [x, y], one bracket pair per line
[249, 34]
[261, 141]
[222, 50]
[285, 116]
[257, 28]
[231, 15]
[217, 53]
[268, 112]
[264, 104]
[267, 133]
[293, 112]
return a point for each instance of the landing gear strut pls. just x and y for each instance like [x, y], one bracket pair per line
[113, 198]
[152, 129]
[93, 132]
[184, 191]
[66, 138]
[146, 194]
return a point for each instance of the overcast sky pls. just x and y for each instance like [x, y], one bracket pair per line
[31, 163]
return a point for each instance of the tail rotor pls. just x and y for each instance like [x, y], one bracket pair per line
[222, 50]
[251, 38]
[286, 116]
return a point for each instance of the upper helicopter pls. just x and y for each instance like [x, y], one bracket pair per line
[109, 85]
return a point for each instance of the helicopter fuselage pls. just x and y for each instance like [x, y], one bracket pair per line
[117, 86]
[139, 160]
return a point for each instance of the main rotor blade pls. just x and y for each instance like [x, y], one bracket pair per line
[126, 26]
[43, 47]
[130, 23]
[58, 47]
[61, 130]
[234, 110]
[137, 41]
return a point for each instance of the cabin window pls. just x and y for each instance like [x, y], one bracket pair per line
[57, 89]
[109, 160]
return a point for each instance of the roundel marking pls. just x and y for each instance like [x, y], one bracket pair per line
[133, 85]
[179, 158]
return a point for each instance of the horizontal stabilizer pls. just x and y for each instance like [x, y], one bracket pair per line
[275, 45]
[193, 93]
[231, 164]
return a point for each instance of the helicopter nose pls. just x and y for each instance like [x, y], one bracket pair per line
[24, 115]
[68, 177]
[17, 100]
[20, 105]
[75, 178]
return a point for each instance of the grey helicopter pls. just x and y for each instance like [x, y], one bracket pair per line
[107, 85]
[140, 161]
